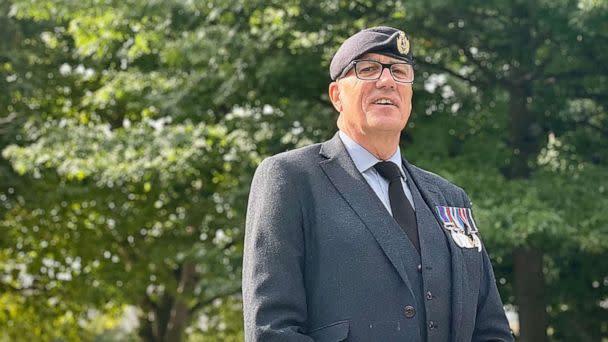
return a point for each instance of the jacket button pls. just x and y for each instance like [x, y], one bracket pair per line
[409, 311]
[429, 295]
[432, 325]
[419, 268]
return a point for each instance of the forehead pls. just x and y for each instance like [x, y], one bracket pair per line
[380, 58]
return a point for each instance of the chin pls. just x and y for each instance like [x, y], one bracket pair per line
[386, 129]
[387, 124]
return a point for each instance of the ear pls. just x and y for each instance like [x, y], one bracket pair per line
[334, 96]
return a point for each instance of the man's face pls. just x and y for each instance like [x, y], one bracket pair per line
[363, 105]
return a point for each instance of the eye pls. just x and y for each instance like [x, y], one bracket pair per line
[402, 71]
[399, 70]
[368, 68]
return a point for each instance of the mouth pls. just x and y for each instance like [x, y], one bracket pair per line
[384, 101]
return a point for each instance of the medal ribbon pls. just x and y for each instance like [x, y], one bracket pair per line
[469, 214]
[447, 223]
[454, 218]
[462, 215]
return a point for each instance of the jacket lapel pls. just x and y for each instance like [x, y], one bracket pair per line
[349, 182]
[433, 197]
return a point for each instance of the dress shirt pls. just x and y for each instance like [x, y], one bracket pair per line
[365, 161]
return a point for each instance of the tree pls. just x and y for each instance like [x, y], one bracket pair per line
[112, 201]
[130, 130]
[540, 61]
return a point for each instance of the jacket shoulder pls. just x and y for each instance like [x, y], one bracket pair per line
[449, 190]
[291, 163]
[297, 156]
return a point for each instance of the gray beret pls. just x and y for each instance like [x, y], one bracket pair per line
[382, 39]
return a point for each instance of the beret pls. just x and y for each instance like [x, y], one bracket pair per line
[382, 39]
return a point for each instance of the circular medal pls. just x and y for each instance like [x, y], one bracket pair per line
[477, 242]
[460, 239]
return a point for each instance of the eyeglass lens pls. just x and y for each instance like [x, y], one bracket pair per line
[371, 70]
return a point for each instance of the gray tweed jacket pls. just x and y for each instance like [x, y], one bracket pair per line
[321, 264]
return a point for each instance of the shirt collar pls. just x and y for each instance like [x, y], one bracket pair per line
[363, 159]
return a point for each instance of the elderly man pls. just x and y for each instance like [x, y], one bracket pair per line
[347, 241]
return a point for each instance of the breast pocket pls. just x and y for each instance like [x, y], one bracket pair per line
[334, 332]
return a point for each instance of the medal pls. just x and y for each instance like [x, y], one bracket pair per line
[460, 239]
[470, 217]
[473, 232]
[472, 237]
[458, 234]
[477, 242]
[447, 223]
[459, 222]
[462, 216]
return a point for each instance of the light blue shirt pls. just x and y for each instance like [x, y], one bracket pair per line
[365, 161]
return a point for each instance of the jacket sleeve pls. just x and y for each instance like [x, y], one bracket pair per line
[491, 323]
[274, 296]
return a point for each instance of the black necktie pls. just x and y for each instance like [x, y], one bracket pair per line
[400, 205]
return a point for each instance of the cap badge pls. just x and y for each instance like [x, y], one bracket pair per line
[403, 44]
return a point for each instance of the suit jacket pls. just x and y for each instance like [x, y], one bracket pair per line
[324, 261]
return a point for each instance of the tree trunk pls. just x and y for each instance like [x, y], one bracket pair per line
[529, 294]
[180, 313]
[155, 317]
[166, 319]
[525, 139]
[525, 134]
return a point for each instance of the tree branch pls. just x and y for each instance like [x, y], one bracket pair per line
[571, 75]
[225, 293]
[458, 42]
[8, 119]
[581, 93]
[30, 290]
[442, 68]
[602, 130]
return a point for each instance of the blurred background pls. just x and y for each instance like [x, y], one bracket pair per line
[130, 130]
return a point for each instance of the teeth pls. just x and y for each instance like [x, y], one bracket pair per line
[383, 101]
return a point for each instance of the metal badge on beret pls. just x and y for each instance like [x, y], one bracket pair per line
[403, 44]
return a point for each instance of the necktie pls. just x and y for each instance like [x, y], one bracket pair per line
[402, 210]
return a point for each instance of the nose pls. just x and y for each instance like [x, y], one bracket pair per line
[386, 78]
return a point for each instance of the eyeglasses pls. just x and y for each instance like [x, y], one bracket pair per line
[369, 70]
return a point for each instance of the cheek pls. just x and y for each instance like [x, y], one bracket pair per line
[407, 99]
[407, 94]
[355, 102]
[350, 98]
[364, 99]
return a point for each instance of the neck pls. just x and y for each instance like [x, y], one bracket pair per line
[382, 145]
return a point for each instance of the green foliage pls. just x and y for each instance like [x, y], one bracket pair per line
[129, 132]
[130, 206]
[23, 319]
[220, 322]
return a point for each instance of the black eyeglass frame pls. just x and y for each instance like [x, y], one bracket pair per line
[353, 65]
